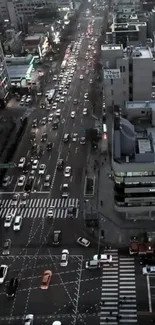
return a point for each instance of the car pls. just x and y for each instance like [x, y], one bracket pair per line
[74, 137]
[48, 107]
[85, 111]
[29, 319]
[15, 199]
[34, 123]
[55, 78]
[86, 96]
[21, 180]
[6, 181]
[62, 99]
[47, 275]
[103, 258]
[81, 77]
[87, 72]
[56, 237]
[65, 190]
[12, 288]
[67, 171]
[42, 169]
[91, 81]
[65, 91]
[57, 98]
[35, 164]
[58, 112]
[50, 213]
[72, 114]
[42, 105]
[75, 101]
[6, 247]
[83, 242]
[55, 125]
[17, 223]
[147, 260]
[64, 257]
[43, 121]
[49, 146]
[83, 140]
[8, 220]
[3, 272]
[29, 184]
[60, 164]
[54, 106]
[44, 137]
[23, 200]
[47, 181]
[71, 211]
[21, 162]
[66, 137]
[50, 118]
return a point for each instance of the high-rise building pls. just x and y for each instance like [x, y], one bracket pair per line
[4, 79]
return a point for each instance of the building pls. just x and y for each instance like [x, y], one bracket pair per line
[125, 8]
[13, 43]
[128, 74]
[36, 44]
[131, 33]
[133, 157]
[4, 80]
[21, 71]
[21, 11]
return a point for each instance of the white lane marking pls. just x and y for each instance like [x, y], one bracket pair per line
[149, 294]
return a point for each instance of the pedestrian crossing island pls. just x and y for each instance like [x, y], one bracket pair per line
[38, 208]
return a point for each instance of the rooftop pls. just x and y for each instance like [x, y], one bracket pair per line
[35, 37]
[17, 72]
[134, 135]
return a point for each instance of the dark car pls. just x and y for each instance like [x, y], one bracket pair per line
[12, 288]
[34, 147]
[26, 168]
[6, 247]
[55, 125]
[29, 184]
[32, 136]
[147, 260]
[44, 137]
[71, 212]
[34, 123]
[60, 164]
[49, 146]
[56, 237]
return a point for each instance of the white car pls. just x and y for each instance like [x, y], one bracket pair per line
[85, 111]
[29, 319]
[57, 98]
[64, 257]
[48, 107]
[103, 258]
[17, 223]
[35, 164]
[50, 118]
[62, 99]
[21, 162]
[50, 213]
[42, 169]
[81, 77]
[86, 95]
[67, 171]
[58, 113]
[21, 181]
[3, 272]
[72, 114]
[8, 220]
[74, 137]
[65, 92]
[54, 78]
[15, 199]
[54, 106]
[83, 242]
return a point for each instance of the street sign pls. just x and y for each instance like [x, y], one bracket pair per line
[8, 165]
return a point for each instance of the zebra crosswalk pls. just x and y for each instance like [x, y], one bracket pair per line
[37, 208]
[118, 292]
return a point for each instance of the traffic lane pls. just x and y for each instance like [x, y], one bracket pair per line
[141, 288]
[90, 291]
[63, 286]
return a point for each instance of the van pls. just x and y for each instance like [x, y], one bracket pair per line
[17, 223]
[148, 270]
[92, 264]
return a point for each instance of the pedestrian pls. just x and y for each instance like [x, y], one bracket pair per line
[120, 302]
[124, 298]
[102, 302]
[107, 319]
[117, 317]
[110, 312]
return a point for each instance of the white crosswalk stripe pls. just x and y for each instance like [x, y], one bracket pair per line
[37, 208]
[118, 292]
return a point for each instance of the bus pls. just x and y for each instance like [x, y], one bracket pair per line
[63, 65]
[104, 140]
[51, 95]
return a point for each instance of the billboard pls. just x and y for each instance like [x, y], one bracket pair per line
[111, 73]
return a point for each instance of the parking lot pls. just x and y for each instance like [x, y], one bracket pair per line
[59, 300]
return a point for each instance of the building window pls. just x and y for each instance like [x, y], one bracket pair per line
[123, 68]
[112, 92]
[120, 69]
[111, 81]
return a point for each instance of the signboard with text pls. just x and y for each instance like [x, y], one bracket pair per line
[111, 73]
